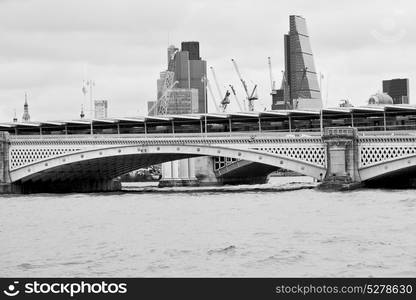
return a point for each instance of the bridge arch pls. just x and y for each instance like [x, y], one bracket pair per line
[110, 162]
[387, 168]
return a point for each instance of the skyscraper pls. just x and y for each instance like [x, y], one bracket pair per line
[100, 109]
[190, 70]
[192, 48]
[398, 89]
[26, 116]
[300, 81]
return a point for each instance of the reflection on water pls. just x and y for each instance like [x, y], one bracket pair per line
[212, 233]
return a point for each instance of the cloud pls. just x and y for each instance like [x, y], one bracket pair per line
[46, 44]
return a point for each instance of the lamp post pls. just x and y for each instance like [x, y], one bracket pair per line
[90, 84]
[204, 82]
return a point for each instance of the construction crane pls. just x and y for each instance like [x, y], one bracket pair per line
[236, 98]
[212, 96]
[216, 82]
[250, 96]
[161, 105]
[272, 82]
[225, 101]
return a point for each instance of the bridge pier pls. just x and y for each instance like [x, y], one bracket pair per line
[6, 186]
[179, 173]
[342, 159]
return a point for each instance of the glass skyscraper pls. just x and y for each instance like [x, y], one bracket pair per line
[300, 80]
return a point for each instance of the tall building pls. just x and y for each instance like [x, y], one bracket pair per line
[190, 70]
[192, 48]
[180, 90]
[300, 81]
[398, 89]
[100, 109]
[26, 116]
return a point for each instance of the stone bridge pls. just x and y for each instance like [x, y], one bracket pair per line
[60, 163]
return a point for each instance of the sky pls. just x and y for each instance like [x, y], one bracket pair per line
[48, 47]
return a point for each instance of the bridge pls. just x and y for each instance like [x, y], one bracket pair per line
[61, 162]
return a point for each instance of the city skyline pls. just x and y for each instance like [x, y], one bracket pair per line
[124, 46]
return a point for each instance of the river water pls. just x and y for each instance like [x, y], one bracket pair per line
[239, 232]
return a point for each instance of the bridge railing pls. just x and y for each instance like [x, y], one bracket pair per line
[168, 136]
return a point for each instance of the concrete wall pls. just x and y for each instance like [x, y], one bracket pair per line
[204, 170]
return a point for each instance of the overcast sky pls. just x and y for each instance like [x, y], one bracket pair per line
[47, 48]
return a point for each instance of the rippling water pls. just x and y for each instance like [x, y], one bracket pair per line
[239, 233]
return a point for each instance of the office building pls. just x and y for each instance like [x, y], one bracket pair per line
[397, 89]
[190, 70]
[100, 109]
[186, 68]
[300, 80]
[182, 101]
[192, 48]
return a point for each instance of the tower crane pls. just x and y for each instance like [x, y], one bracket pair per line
[212, 96]
[235, 97]
[272, 82]
[226, 100]
[250, 96]
[216, 82]
[161, 105]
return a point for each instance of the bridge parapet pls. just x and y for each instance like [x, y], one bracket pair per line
[340, 132]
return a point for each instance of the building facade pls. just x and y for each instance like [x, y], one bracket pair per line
[100, 109]
[192, 48]
[397, 89]
[190, 71]
[300, 87]
[182, 101]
